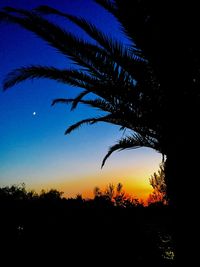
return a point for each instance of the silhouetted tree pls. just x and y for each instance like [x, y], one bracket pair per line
[52, 194]
[97, 192]
[150, 86]
[157, 181]
[32, 195]
[109, 192]
[79, 199]
[38, 226]
[14, 192]
[115, 196]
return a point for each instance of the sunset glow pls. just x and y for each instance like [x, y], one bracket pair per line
[34, 149]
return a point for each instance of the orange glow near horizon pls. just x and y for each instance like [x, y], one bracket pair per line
[135, 182]
[34, 149]
[80, 175]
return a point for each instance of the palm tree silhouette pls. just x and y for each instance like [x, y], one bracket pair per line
[149, 86]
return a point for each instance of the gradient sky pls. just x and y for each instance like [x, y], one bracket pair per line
[33, 148]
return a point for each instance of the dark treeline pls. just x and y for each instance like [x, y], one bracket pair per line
[112, 228]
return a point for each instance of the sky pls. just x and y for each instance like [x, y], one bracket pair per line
[33, 147]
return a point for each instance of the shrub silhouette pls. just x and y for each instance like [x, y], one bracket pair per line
[49, 227]
[115, 196]
[157, 181]
[143, 85]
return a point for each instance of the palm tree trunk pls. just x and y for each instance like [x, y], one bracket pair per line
[182, 173]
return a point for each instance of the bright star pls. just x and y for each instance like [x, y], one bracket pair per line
[34, 113]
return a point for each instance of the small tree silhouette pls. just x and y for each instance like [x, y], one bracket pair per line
[52, 194]
[115, 196]
[157, 181]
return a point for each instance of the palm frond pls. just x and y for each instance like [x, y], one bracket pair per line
[113, 46]
[119, 76]
[118, 51]
[62, 101]
[87, 121]
[132, 17]
[78, 50]
[78, 98]
[100, 104]
[116, 7]
[24, 73]
[114, 117]
[123, 55]
[72, 77]
[108, 5]
[91, 57]
[47, 10]
[94, 103]
[134, 141]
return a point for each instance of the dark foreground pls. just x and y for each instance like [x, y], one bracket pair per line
[74, 232]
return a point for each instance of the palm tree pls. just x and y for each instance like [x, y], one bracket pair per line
[145, 86]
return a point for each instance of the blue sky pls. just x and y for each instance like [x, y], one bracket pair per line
[33, 148]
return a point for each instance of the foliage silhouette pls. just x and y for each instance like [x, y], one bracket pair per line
[150, 87]
[115, 196]
[157, 181]
[140, 86]
[47, 228]
[52, 194]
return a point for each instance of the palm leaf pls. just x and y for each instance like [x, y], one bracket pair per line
[130, 142]
[112, 46]
[80, 51]
[95, 103]
[91, 57]
[78, 98]
[108, 5]
[123, 55]
[72, 77]
[123, 81]
[62, 101]
[87, 121]
[114, 117]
